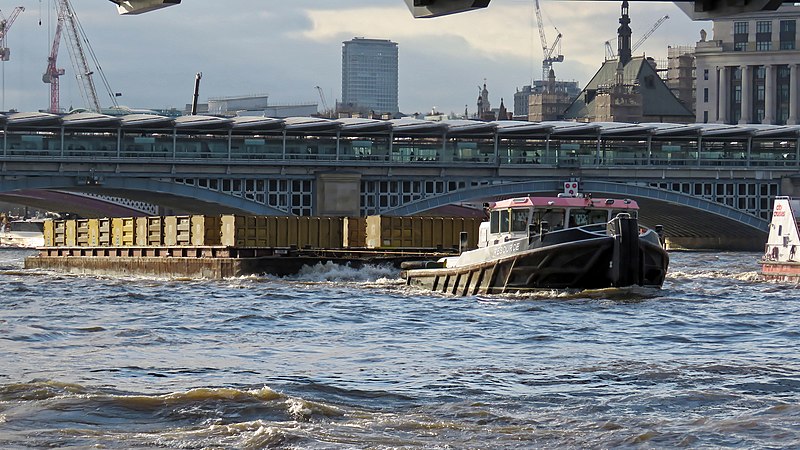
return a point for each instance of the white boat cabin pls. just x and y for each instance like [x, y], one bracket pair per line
[510, 219]
[784, 240]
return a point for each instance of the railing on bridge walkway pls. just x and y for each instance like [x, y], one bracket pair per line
[197, 139]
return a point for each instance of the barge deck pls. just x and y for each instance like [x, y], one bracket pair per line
[212, 262]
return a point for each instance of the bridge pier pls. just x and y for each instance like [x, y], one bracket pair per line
[338, 194]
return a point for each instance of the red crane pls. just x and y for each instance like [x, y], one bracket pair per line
[5, 25]
[52, 73]
[79, 47]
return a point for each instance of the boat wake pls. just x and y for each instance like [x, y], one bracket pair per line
[622, 294]
[322, 272]
[716, 274]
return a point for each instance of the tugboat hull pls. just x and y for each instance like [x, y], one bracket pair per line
[574, 258]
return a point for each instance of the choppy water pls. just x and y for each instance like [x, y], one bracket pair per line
[339, 358]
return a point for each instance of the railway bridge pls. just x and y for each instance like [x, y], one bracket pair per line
[710, 185]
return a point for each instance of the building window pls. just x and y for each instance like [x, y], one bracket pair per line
[705, 95]
[735, 88]
[759, 93]
[788, 34]
[740, 36]
[705, 116]
[782, 81]
[763, 35]
[705, 74]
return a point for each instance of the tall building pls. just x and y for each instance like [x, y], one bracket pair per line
[369, 76]
[748, 73]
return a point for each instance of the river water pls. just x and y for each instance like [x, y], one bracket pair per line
[341, 358]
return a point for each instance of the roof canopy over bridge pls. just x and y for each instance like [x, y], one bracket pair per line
[504, 129]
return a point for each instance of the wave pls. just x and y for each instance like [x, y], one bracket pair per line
[329, 271]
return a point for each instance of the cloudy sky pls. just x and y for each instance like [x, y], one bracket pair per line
[286, 48]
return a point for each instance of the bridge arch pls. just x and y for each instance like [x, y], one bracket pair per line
[183, 197]
[652, 196]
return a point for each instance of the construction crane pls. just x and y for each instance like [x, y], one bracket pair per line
[5, 26]
[326, 112]
[52, 73]
[548, 51]
[78, 49]
[610, 49]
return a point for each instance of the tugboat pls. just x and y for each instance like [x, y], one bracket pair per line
[571, 241]
[781, 261]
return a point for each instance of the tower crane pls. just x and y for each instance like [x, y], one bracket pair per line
[79, 46]
[52, 73]
[548, 51]
[5, 25]
[610, 49]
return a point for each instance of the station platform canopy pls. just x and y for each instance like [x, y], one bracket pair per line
[404, 127]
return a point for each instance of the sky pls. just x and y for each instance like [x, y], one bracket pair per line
[287, 48]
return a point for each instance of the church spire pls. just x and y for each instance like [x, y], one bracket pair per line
[624, 35]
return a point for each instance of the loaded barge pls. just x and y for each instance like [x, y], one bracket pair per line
[230, 246]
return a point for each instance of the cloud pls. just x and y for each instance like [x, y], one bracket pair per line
[285, 49]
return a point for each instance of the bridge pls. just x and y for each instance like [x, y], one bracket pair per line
[710, 185]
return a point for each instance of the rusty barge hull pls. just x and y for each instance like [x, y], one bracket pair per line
[210, 262]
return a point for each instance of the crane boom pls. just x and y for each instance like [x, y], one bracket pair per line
[81, 65]
[327, 111]
[5, 26]
[611, 54]
[540, 24]
[649, 33]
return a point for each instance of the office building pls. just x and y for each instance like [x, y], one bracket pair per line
[369, 76]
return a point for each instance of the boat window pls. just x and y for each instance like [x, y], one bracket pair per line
[553, 216]
[494, 222]
[519, 219]
[504, 220]
[580, 217]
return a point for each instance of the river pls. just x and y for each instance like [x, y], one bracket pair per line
[342, 358]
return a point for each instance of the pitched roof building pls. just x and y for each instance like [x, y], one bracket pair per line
[627, 89]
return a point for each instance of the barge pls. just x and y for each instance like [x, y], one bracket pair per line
[215, 247]
[781, 260]
[569, 241]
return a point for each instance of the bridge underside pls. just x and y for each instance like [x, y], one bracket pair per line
[61, 201]
[685, 227]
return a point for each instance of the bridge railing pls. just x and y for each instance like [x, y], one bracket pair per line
[382, 150]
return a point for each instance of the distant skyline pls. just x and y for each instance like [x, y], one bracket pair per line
[286, 49]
